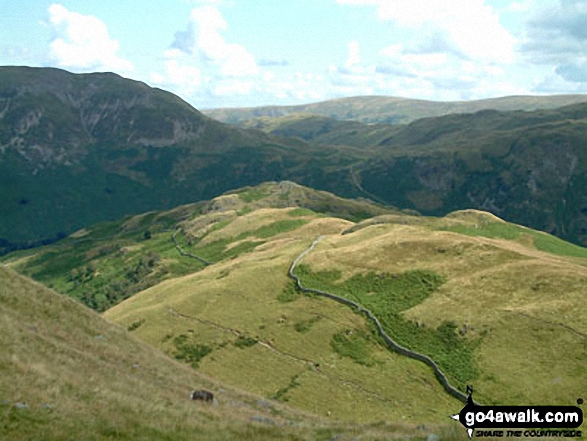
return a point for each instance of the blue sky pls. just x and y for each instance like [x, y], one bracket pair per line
[218, 53]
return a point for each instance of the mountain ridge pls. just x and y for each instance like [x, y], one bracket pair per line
[380, 109]
[133, 157]
[72, 142]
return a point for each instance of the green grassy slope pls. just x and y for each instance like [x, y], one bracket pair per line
[66, 373]
[494, 304]
[502, 297]
[239, 322]
[107, 263]
[392, 110]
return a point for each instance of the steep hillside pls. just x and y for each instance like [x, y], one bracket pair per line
[78, 149]
[104, 264]
[66, 373]
[527, 167]
[392, 110]
[324, 130]
[493, 304]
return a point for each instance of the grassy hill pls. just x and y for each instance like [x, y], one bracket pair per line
[107, 263]
[495, 304]
[392, 110]
[66, 373]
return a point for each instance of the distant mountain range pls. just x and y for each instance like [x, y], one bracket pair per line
[526, 166]
[80, 149]
[392, 110]
[205, 273]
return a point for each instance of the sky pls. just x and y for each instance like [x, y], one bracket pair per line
[242, 53]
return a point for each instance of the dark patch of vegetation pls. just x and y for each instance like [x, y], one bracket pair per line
[500, 230]
[354, 344]
[304, 326]
[243, 247]
[219, 225]
[542, 241]
[244, 341]
[111, 261]
[244, 211]
[218, 250]
[189, 351]
[253, 194]
[301, 211]
[387, 295]
[554, 245]
[135, 325]
[278, 227]
[280, 395]
[289, 294]
[114, 260]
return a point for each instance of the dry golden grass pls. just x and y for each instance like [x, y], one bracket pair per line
[523, 305]
[518, 300]
[526, 305]
[82, 377]
[239, 297]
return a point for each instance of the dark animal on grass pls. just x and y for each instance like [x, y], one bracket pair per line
[202, 395]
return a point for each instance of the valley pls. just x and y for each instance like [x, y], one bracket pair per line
[336, 270]
[66, 373]
[78, 149]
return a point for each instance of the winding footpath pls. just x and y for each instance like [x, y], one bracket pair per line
[392, 344]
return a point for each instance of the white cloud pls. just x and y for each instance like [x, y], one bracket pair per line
[450, 49]
[471, 26]
[353, 57]
[202, 66]
[556, 41]
[204, 37]
[179, 75]
[83, 42]
[521, 6]
[557, 34]
[230, 87]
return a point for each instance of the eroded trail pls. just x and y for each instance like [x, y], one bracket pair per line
[392, 344]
